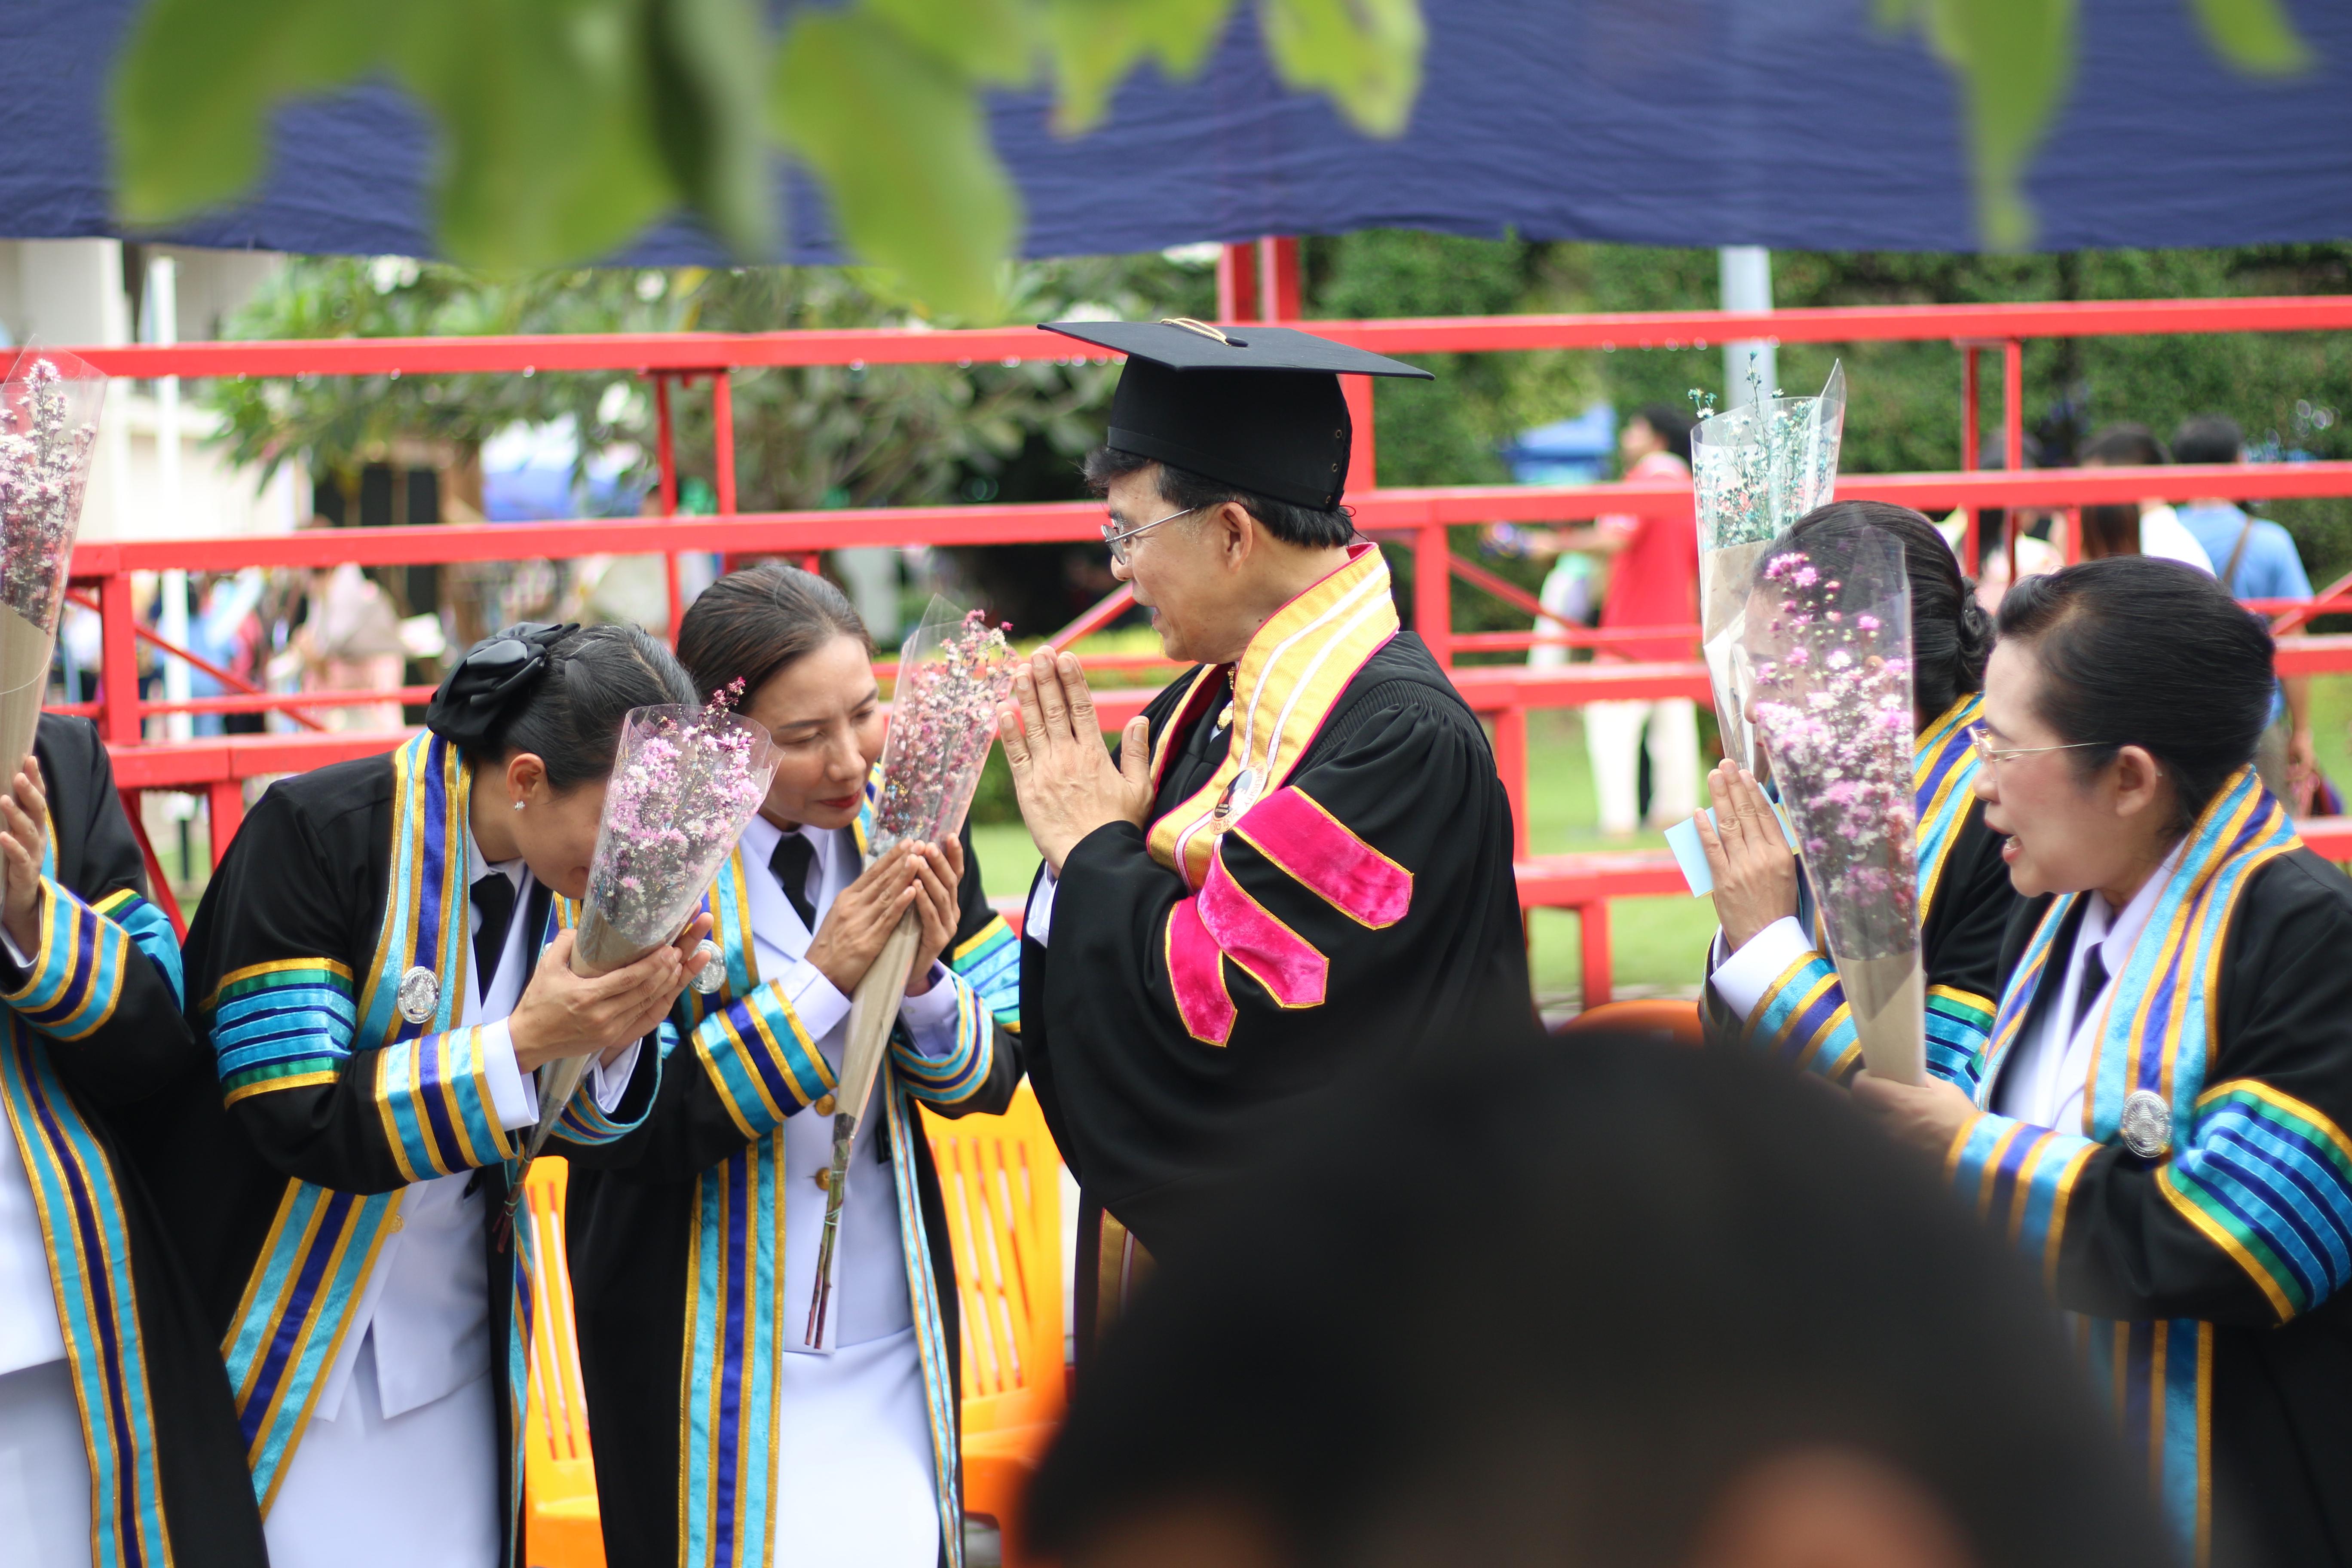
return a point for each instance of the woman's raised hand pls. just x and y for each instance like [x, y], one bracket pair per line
[851, 934]
[24, 843]
[939, 874]
[1754, 873]
[566, 1015]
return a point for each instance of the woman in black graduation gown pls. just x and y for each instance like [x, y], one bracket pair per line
[118, 1441]
[2160, 1122]
[1771, 981]
[368, 968]
[720, 1436]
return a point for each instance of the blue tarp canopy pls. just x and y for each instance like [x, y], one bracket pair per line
[1791, 123]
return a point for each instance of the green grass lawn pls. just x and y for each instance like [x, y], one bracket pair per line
[1658, 945]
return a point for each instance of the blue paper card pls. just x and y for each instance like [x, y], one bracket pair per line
[1691, 858]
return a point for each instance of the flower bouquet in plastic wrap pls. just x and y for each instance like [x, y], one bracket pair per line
[684, 785]
[1755, 470]
[50, 406]
[954, 670]
[1831, 649]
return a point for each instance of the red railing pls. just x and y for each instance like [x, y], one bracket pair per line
[1419, 518]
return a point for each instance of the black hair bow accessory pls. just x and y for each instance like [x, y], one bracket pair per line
[496, 675]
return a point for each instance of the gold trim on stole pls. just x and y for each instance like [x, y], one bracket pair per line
[1288, 681]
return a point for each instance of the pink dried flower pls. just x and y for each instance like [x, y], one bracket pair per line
[1834, 706]
[44, 460]
[686, 782]
[942, 718]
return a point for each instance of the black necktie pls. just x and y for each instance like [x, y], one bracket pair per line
[2093, 981]
[791, 862]
[494, 896]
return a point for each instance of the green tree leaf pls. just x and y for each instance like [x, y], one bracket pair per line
[901, 142]
[707, 63]
[992, 41]
[1366, 54]
[547, 151]
[1095, 43]
[194, 86]
[2255, 35]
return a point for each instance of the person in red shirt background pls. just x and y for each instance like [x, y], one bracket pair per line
[1653, 563]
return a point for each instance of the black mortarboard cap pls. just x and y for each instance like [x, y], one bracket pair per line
[1257, 407]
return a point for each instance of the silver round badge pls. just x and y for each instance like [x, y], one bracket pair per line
[712, 975]
[2146, 1124]
[419, 995]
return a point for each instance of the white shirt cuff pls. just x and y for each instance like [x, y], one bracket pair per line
[930, 1017]
[608, 1084]
[1039, 919]
[815, 1001]
[513, 1095]
[17, 955]
[1742, 979]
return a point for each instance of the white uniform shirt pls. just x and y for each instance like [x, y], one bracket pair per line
[29, 1334]
[870, 1297]
[2043, 1080]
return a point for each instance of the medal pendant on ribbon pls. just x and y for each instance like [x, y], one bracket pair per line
[1235, 804]
[2146, 1124]
[419, 995]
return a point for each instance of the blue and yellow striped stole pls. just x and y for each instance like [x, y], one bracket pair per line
[296, 1023]
[765, 1067]
[2264, 1176]
[1803, 1016]
[72, 989]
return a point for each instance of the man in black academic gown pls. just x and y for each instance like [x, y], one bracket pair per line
[1299, 868]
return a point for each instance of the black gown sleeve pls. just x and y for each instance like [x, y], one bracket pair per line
[103, 986]
[1361, 910]
[733, 1077]
[2247, 1218]
[275, 993]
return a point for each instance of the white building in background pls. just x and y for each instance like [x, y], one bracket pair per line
[71, 293]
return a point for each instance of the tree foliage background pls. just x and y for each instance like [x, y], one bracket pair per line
[2291, 392]
[923, 434]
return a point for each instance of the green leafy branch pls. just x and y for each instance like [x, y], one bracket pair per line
[568, 126]
[2015, 60]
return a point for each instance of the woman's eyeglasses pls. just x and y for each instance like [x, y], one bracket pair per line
[1994, 757]
[1117, 542]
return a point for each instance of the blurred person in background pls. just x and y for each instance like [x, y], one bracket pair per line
[1653, 581]
[349, 641]
[2254, 559]
[2034, 551]
[1424, 1342]
[2158, 1122]
[226, 631]
[2147, 528]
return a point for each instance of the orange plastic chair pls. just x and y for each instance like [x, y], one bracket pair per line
[1001, 1178]
[1675, 1023]
[561, 1527]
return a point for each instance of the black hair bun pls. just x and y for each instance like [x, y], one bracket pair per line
[497, 676]
[1975, 626]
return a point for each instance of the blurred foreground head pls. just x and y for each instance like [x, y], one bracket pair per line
[1626, 1306]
